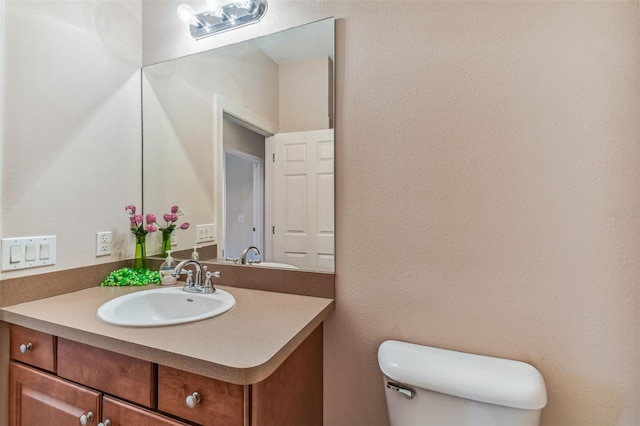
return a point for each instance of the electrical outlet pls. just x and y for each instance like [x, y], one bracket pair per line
[103, 243]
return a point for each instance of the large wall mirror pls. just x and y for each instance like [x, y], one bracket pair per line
[241, 138]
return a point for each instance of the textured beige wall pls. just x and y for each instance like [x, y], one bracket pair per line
[503, 138]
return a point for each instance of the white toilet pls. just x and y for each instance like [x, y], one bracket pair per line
[428, 386]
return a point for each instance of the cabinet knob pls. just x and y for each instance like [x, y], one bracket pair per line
[26, 347]
[86, 418]
[106, 422]
[193, 400]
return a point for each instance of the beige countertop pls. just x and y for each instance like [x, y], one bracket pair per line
[242, 346]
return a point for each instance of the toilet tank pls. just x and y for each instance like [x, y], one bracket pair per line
[426, 386]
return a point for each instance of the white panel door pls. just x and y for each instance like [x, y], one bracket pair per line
[303, 199]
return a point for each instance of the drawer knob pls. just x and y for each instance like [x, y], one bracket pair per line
[26, 347]
[193, 400]
[106, 422]
[86, 418]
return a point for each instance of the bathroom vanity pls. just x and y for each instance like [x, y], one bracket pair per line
[259, 364]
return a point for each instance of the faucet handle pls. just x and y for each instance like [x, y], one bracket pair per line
[232, 259]
[189, 281]
[208, 285]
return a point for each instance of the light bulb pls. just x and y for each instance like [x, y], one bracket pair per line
[244, 4]
[215, 8]
[185, 13]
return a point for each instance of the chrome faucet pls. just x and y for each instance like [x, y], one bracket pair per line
[243, 256]
[195, 285]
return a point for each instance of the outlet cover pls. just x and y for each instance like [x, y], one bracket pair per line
[103, 243]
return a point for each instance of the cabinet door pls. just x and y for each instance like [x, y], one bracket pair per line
[37, 398]
[119, 413]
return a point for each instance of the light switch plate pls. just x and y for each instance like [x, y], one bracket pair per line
[205, 233]
[34, 245]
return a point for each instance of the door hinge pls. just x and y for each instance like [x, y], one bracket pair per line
[273, 157]
[273, 230]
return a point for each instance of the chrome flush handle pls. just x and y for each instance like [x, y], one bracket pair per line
[404, 390]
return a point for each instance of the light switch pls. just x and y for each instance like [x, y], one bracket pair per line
[29, 253]
[16, 254]
[44, 251]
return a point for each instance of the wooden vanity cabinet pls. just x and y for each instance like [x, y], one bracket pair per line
[132, 392]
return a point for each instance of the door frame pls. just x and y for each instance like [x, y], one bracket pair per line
[244, 117]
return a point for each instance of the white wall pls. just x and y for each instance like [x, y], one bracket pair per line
[304, 95]
[239, 138]
[483, 152]
[71, 125]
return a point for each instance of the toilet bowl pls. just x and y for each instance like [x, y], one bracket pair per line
[426, 386]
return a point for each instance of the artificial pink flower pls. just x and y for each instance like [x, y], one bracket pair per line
[130, 209]
[174, 209]
[174, 217]
[137, 218]
[167, 217]
[151, 228]
[151, 218]
[184, 225]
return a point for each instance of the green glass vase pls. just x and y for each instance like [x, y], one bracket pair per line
[140, 259]
[166, 243]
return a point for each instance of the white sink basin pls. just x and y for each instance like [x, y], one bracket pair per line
[275, 265]
[164, 306]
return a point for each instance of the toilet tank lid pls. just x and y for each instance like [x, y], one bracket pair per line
[480, 378]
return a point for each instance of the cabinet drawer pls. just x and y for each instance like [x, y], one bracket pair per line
[220, 403]
[39, 348]
[119, 375]
[120, 413]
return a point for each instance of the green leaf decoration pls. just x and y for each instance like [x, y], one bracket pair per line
[131, 277]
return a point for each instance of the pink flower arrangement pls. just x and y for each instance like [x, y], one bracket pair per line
[170, 219]
[138, 228]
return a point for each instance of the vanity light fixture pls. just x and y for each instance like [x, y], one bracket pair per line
[222, 15]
